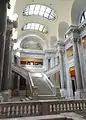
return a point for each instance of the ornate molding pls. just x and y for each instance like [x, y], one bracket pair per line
[72, 29]
[82, 26]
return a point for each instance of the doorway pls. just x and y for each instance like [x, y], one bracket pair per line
[59, 78]
[22, 83]
[73, 79]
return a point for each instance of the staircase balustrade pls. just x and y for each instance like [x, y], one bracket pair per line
[41, 107]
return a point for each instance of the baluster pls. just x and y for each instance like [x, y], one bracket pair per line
[6, 110]
[10, 111]
[37, 109]
[31, 110]
[81, 106]
[27, 109]
[50, 108]
[19, 110]
[75, 106]
[15, 110]
[69, 106]
[64, 106]
[61, 107]
[1, 111]
[57, 107]
[23, 113]
[84, 105]
[54, 108]
[72, 106]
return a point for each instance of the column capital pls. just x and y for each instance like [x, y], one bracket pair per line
[76, 40]
[61, 51]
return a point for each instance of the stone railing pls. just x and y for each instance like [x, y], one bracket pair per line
[36, 108]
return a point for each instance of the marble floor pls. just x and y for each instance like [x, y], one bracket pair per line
[72, 115]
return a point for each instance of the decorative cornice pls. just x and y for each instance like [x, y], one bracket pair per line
[72, 29]
[82, 26]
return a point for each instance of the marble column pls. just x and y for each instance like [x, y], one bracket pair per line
[18, 82]
[3, 26]
[77, 69]
[6, 70]
[10, 65]
[62, 76]
[61, 69]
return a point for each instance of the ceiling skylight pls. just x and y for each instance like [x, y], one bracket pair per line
[35, 26]
[40, 10]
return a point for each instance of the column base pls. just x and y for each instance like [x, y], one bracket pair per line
[6, 95]
[78, 94]
[63, 93]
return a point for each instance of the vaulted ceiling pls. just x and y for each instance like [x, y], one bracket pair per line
[65, 16]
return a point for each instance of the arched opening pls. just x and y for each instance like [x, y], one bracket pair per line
[73, 79]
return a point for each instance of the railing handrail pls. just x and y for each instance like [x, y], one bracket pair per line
[31, 79]
[43, 101]
[48, 80]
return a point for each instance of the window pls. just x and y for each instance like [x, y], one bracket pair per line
[70, 51]
[83, 17]
[35, 26]
[39, 10]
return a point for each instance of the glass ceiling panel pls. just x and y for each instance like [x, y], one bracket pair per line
[35, 26]
[40, 10]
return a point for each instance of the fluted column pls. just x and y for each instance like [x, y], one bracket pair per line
[77, 65]
[3, 26]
